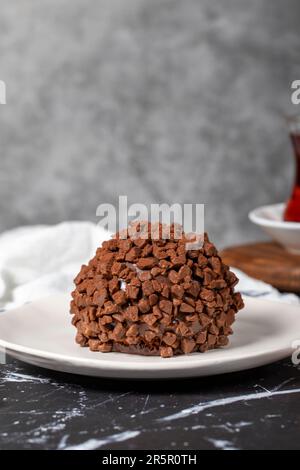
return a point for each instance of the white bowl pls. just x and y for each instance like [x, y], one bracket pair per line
[270, 218]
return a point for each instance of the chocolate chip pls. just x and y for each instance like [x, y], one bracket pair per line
[194, 288]
[190, 301]
[169, 338]
[202, 261]
[146, 263]
[177, 291]
[165, 291]
[201, 337]
[164, 264]
[211, 340]
[99, 297]
[113, 285]
[147, 288]
[166, 351]
[207, 295]
[187, 345]
[132, 313]
[94, 344]
[133, 254]
[166, 306]
[132, 292]
[116, 268]
[125, 245]
[144, 305]
[174, 277]
[153, 299]
[119, 297]
[159, 253]
[239, 303]
[216, 264]
[119, 317]
[105, 347]
[150, 319]
[213, 329]
[145, 276]
[209, 249]
[157, 286]
[186, 308]
[149, 336]
[133, 330]
[199, 307]
[183, 330]
[105, 320]
[205, 320]
[218, 284]
[140, 242]
[118, 332]
[178, 260]
[155, 271]
[157, 311]
[110, 308]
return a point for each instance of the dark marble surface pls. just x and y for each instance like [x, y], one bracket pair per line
[256, 409]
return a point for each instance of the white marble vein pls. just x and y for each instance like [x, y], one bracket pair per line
[196, 409]
[92, 444]
[17, 377]
[222, 444]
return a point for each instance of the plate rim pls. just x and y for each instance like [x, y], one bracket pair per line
[160, 364]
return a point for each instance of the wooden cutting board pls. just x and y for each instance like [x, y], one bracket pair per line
[268, 262]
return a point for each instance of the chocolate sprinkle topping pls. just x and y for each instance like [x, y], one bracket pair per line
[153, 297]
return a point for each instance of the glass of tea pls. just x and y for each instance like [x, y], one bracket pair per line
[292, 210]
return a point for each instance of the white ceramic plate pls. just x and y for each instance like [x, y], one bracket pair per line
[270, 219]
[40, 333]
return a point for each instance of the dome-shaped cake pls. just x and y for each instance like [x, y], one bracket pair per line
[153, 297]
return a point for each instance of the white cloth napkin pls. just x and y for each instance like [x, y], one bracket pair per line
[41, 260]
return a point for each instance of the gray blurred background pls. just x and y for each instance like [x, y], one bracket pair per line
[161, 100]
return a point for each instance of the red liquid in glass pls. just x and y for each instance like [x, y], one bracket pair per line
[292, 210]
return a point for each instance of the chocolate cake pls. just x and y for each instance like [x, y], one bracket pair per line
[154, 297]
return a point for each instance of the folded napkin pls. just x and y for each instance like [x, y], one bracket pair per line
[41, 260]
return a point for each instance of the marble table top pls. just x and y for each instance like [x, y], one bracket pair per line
[255, 409]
